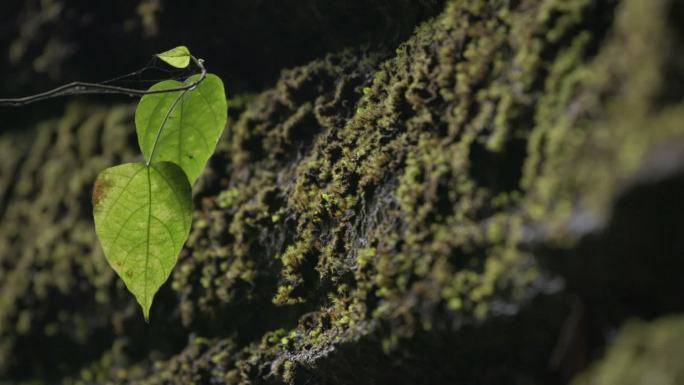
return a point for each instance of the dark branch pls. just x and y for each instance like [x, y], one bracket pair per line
[83, 88]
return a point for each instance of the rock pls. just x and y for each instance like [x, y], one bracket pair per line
[425, 213]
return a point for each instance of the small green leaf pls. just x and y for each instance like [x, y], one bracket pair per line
[178, 57]
[192, 129]
[142, 218]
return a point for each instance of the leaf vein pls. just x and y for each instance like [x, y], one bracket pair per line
[175, 194]
[123, 225]
[167, 228]
[123, 190]
[149, 223]
[211, 107]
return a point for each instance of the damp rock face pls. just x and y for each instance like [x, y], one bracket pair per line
[486, 202]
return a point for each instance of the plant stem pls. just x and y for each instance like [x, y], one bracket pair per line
[82, 88]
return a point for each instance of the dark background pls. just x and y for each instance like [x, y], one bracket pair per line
[247, 43]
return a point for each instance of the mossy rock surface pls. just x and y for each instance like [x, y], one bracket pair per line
[449, 210]
[642, 353]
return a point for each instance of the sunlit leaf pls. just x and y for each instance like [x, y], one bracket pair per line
[192, 129]
[142, 218]
[178, 57]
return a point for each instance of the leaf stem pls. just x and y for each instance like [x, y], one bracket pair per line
[161, 127]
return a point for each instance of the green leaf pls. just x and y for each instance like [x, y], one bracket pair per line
[192, 129]
[178, 57]
[142, 218]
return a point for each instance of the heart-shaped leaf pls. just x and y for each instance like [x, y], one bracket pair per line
[142, 218]
[190, 131]
[178, 57]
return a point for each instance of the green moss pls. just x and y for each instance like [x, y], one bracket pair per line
[227, 198]
[642, 353]
[53, 280]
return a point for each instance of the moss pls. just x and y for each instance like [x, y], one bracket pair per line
[642, 353]
[55, 284]
[373, 202]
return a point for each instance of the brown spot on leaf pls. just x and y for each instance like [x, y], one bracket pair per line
[98, 191]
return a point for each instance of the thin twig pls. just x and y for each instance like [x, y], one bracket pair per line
[83, 88]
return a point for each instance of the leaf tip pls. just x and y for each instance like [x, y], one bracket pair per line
[146, 312]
